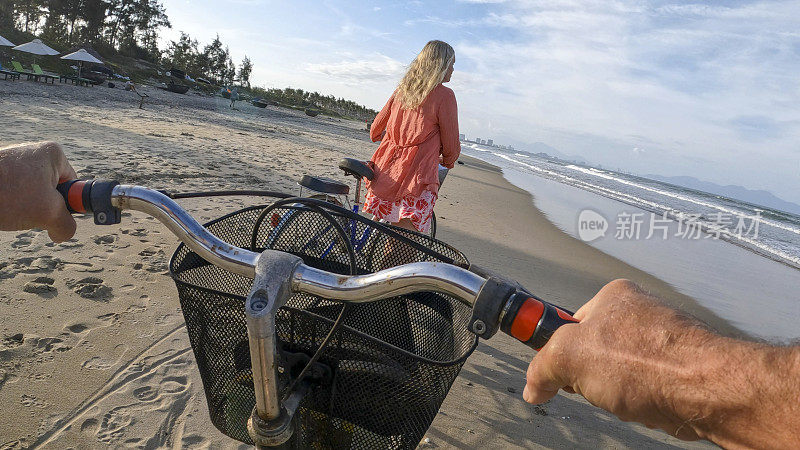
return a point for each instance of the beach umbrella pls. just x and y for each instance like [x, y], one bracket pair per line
[5, 42]
[82, 56]
[36, 47]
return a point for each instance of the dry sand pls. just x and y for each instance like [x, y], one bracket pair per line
[93, 350]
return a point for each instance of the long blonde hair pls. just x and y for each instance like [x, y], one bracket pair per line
[425, 73]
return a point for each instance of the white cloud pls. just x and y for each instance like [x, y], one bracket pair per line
[378, 68]
[693, 79]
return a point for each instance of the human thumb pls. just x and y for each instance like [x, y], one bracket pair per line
[59, 222]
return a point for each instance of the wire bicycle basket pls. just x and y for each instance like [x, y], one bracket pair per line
[386, 370]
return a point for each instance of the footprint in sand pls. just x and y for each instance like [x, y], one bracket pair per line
[146, 393]
[91, 288]
[194, 441]
[32, 402]
[89, 424]
[72, 243]
[20, 346]
[104, 239]
[48, 345]
[128, 288]
[155, 260]
[98, 363]
[164, 400]
[103, 363]
[23, 239]
[41, 286]
[11, 342]
[114, 424]
[138, 232]
[41, 264]
[174, 385]
[77, 328]
[101, 322]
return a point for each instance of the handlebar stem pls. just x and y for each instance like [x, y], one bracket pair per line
[270, 291]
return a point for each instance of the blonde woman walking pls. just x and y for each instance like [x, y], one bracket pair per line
[418, 129]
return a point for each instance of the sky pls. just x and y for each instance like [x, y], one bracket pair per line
[651, 87]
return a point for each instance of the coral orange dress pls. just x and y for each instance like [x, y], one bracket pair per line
[406, 182]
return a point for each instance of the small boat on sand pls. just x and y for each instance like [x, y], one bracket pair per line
[177, 88]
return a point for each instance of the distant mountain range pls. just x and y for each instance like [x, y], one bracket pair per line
[757, 197]
[542, 149]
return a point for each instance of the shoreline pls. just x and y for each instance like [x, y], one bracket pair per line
[752, 293]
[575, 263]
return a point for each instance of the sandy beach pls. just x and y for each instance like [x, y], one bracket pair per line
[93, 349]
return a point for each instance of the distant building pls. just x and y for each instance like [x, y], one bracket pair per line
[462, 137]
[490, 142]
[510, 147]
[477, 140]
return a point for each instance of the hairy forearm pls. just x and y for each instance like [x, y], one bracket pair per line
[739, 394]
[7, 160]
[648, 363]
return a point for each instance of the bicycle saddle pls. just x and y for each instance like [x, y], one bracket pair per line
[356, 168]
[324, 185]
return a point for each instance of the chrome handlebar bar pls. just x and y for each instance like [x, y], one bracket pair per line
[186, 228]
[415, 277]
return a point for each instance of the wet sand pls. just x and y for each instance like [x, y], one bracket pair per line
[93, 350]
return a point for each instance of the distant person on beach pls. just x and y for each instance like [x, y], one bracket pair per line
[418, 129]
[234, 96]
[629, 355]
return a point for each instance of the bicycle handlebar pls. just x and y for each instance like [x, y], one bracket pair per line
[497, 304]
[106, 199]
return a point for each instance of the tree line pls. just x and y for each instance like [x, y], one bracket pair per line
[213, 61]
[127, 27]
[329, 103]
[131, 28]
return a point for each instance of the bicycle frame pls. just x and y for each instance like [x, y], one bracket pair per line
[497, 304]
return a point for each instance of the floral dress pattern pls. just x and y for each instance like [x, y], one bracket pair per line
[418, 209]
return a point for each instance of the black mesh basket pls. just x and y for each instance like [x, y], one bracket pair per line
[391, 363]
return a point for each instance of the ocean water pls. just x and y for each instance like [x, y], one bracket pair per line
[771, 233]
[741, 261]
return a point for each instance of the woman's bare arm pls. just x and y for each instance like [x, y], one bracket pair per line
[448, 129]
[379, 124]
